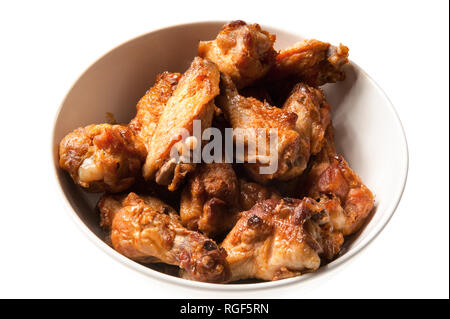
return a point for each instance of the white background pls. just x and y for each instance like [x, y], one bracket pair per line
[44, 47]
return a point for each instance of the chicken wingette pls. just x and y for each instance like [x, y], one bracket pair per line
[193, 99]
[255, 123]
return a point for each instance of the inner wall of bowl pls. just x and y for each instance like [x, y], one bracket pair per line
[366, 132]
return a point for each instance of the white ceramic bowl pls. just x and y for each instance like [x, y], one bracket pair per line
[368, 131]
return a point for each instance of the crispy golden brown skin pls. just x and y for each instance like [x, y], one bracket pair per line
[209, 201]
[310, 61]
[313, 116]
[244, 52]
[258, 117]
[151, 106]
[191, 100]
[278, 239]
[145, 229]
[331, 177]
[102, 157]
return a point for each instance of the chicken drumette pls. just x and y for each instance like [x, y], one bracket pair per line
[278, 239]
[193, 99]
[330, 177]
[253, 122]
[102, 157]
[244, 52]
[145, 229]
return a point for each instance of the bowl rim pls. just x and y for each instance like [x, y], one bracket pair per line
[165, 278]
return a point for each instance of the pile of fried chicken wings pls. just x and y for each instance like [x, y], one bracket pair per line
[223, 222]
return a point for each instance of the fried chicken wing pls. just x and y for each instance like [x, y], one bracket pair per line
[278, 239]
[102, 157]
[258, 118]
[286, 202]
[191, 100]
[310, 61]
[151, 106]
[244, 52]
[331, 177]
[313, 116]
[209, 201]
[145, 229]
